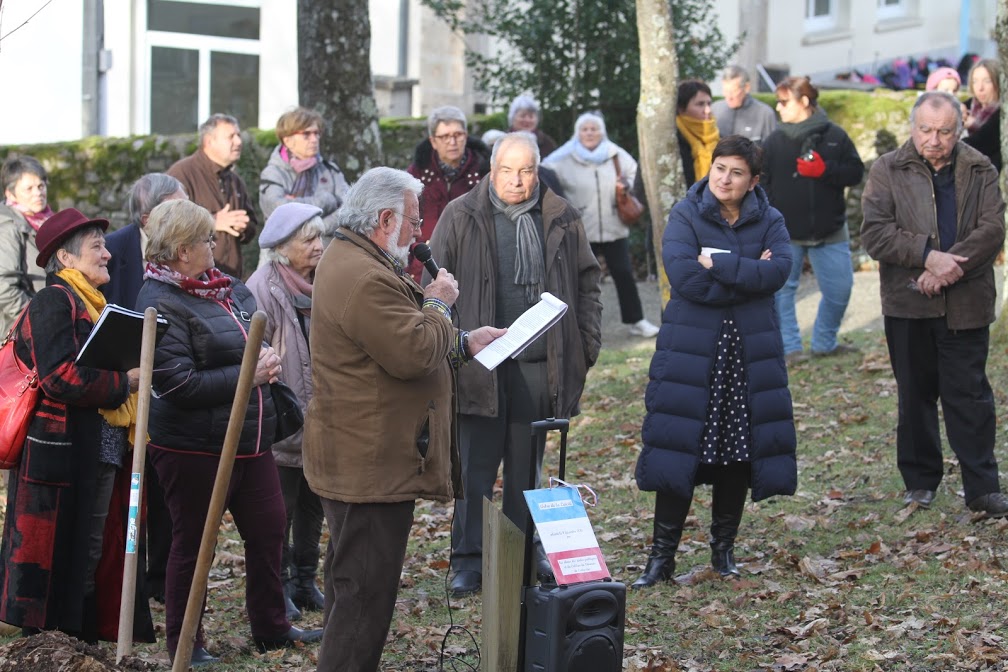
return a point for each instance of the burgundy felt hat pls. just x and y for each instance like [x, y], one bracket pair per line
[58, 228]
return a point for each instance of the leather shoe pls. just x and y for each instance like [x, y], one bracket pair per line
[922, 497]
[465, 582]
[289, 638]
[993, 504]
[199, 658]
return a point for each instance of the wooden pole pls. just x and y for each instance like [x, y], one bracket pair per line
[194, 607]
[503, 563]
[124, 647]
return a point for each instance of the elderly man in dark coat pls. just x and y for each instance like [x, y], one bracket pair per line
[934, 220]
[507, 241]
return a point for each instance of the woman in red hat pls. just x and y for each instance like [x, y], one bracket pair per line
[58, 498]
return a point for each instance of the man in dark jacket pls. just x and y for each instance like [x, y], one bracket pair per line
[126, 269]
[494, 239]
[209, 177]
[128, 244]
[449, 163]
[934, 220]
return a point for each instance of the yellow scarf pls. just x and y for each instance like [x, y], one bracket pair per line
[125, 415]
[702, 136]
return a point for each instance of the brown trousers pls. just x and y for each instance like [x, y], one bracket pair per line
[363, 562]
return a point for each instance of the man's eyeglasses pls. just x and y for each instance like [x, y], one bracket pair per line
[456, 137]
[309, 134]
[415, 222]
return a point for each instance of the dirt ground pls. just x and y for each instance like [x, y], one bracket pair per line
[57, 652]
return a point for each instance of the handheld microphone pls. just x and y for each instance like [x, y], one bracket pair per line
[422, 253]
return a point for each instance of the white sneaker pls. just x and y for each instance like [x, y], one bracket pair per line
[644, 328]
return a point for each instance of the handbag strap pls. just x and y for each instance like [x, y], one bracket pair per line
[619, 174]
[23, 315]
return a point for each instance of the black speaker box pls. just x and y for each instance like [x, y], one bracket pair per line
[575, 628]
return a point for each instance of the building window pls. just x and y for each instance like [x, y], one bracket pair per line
[820, 15]
[203, 57]
[889, 10]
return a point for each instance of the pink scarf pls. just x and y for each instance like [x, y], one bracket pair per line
[307, 170]
[300, 289]
[216, 286]
[35, 219]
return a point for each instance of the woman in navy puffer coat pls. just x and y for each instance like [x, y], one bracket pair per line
[718, 406]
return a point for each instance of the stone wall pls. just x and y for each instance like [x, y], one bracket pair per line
[94, 175]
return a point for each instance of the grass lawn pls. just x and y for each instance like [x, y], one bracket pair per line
[838, 577]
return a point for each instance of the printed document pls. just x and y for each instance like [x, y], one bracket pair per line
[532, 324]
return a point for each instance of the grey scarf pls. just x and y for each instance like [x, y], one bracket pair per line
[530, 268]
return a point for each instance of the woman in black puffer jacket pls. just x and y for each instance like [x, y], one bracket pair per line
[808, 162]
[196, 367]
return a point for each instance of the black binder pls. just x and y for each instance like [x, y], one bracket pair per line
[114, 343]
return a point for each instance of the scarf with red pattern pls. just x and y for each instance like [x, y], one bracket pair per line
[36, 219]
[212, 285]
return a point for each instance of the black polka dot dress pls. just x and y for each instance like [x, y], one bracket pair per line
[726, 437]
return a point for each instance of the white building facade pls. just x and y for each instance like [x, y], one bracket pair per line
[162, 66]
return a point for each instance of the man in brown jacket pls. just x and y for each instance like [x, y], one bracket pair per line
[379, 431]
[210, 179]
[507, 241]
[934, 220]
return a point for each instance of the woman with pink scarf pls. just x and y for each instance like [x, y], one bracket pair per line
[296, 171]
[291, 248]
[24, 208]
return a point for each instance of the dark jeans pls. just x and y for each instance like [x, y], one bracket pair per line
[617, 259]
[254, 500]
[522, 396]
[158, 540]
[304, 520]
[363, 563]
[932, 362]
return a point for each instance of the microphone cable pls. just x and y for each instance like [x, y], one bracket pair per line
[453, 629]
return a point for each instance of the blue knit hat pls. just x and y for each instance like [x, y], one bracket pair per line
[284, 223]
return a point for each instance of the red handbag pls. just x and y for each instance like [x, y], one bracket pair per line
[628, 207]
[19, 393]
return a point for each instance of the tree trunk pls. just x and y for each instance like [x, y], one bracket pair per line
[656, 128]
[999, 334]
[334, 78]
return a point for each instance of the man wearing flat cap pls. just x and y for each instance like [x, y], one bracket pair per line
[291, 246]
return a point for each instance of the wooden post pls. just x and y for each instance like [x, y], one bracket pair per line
[503, 559]
[194, 607]
[124, 646]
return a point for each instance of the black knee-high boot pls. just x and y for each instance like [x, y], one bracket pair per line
[731, 486]
[670, 516]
